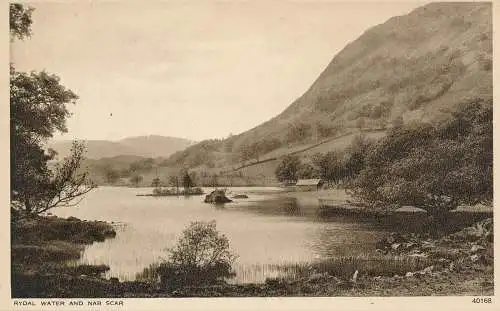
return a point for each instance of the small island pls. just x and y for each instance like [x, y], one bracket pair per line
[188, 187]
[163, 192]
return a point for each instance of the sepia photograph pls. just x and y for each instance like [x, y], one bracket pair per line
[201, 149]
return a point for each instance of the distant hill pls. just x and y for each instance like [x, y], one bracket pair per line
[152, 146]
[419, 66]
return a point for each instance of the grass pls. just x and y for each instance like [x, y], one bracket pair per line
[345, 267]
[36, 230]
[341, 267]
[48, 251]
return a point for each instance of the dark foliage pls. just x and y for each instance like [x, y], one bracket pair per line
[433, 166]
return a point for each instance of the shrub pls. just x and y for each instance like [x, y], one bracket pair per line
[435, 167]
[201, 257]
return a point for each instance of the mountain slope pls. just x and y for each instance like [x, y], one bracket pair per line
[142, 146]
[413, 67]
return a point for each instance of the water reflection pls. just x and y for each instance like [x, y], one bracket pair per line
[290, 207]
[266, 230]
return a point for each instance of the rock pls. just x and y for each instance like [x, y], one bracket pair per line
[394, 238]
[410, 210]
[355, 276]
[217, 196]
[409, 274]
[475, 248]
[474, 258]
[395, 246]
[452, 266]
[240, 196]
[427, 270]
[410, 245]
[428, 245]
[420, 255]
[478, 259]
[316, 277]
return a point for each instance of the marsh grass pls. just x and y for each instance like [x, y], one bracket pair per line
[341, 267]
[42, 229]
[345, 267]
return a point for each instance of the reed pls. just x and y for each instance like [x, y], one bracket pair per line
[341, 267]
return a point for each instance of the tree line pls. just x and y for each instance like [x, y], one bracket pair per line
[333, 167]
[435, 166]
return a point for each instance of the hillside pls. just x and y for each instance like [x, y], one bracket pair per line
[414, 67]
[152, 146]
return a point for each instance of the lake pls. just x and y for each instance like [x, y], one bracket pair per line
[269, 228]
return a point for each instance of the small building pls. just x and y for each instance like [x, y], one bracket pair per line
[288, 183]
[410, 210]
[308, 184]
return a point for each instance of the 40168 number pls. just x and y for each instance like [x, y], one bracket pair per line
[482, 300]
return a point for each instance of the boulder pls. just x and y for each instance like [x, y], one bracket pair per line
[476, 248]
[427, 270]
[217, 196]
[240, 196]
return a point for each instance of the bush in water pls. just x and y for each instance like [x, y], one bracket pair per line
[201, 257]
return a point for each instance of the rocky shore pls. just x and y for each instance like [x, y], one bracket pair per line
[460, 263]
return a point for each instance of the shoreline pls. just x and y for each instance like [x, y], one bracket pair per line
[50, 277]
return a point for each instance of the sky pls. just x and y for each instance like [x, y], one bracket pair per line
[196, 70]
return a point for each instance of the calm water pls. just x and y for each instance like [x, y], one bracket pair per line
[268, 228]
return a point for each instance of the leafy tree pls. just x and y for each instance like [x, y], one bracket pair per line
[136, 180]
[201, 256]
[38, 109]
[298, 132]
[324, 130]
[361, 123]
[36, 189]
[187, 182]
[330, 166]
[435, 167]
[173, 181]
[248, 151]
[111, 174]
[142, 165]
[156, 182]
[214, 180]
[306, 171]
[20, 21]
[355, 156]
[288, 168]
